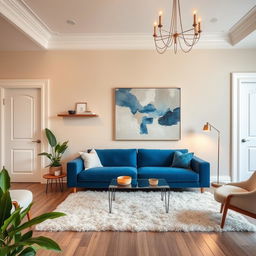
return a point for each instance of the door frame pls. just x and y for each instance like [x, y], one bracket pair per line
[237, 80]
[43, 86]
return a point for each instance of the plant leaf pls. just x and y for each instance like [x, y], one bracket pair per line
[6, 206]
[26, 236]
[43, 242]
[29, 251]
[25, 211]
[46, 154]
[37, 220]
[50, 137]
[10, 220]
[4, 180]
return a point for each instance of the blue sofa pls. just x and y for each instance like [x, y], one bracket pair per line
[139, 164]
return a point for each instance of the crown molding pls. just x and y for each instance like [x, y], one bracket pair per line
[243, 27]
[124, 41]
[18, 13]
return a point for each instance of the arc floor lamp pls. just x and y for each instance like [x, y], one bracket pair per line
[208, 127]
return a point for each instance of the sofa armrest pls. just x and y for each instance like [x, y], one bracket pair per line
[73, 168]
[203, 169]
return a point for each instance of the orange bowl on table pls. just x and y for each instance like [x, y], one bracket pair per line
[124, 180]
[153, 182]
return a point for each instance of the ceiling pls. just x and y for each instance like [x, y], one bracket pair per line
[114, 23]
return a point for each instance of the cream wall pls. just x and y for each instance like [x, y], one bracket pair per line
[203, 75]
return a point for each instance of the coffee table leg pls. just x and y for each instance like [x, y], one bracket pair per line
[167, 200]
[162, 193]
[109, 200]
[114, 195]
[46, 189]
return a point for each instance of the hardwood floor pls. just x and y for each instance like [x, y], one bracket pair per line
[136, 244]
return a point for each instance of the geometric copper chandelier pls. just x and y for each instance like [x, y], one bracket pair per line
[176, 36]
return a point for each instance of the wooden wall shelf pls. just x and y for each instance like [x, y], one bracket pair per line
[77, 115]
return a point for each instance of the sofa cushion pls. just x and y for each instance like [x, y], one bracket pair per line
[118, 157]
[171, 174]
[91, 159]
[182, 160]
[156, 157]
[106, 174]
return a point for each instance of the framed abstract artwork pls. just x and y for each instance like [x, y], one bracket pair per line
[147, 113]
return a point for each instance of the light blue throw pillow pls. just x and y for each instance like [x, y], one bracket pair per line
[182, 160]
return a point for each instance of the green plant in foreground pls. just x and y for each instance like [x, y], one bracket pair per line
[57, 149]
[12, 240]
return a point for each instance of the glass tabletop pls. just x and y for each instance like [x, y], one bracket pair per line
[140, 184]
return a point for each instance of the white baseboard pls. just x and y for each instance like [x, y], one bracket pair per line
[224, 179]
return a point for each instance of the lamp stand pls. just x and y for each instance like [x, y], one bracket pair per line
[217, 183]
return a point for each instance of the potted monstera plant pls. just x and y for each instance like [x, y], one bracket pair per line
[16, 237]
[57, 150]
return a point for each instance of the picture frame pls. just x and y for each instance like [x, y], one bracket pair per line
[81, 107]
[147, 113]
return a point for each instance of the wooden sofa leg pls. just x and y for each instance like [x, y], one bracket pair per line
[202, 190]
[221, 208]
[74, 190]
[224, 215]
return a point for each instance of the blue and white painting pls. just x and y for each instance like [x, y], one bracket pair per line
[147, 113]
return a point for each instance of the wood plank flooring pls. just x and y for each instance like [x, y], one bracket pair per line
[137, 244]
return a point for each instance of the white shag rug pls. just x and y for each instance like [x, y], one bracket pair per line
[143, 211]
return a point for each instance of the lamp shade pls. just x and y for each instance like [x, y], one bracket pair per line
[207, 127]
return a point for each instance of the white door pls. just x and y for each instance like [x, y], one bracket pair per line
[22, 115]
[247, 128]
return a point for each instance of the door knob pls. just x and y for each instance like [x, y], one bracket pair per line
[244, 140]
[36, 141]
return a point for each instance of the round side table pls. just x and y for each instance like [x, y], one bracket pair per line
[51, 179]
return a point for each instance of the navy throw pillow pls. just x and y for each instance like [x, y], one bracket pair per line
[182, 160]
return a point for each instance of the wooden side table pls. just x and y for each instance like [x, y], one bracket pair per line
[58, 181]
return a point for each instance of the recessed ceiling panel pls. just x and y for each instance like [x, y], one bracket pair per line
[134, 16]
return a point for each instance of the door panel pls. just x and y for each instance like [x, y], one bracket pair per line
[22, 115]
[247, 127]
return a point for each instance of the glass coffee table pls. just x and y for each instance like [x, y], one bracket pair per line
[141, 184]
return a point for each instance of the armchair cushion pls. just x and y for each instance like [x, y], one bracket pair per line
[223, 192]
[22, 197]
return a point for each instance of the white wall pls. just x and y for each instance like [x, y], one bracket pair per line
[203, 75]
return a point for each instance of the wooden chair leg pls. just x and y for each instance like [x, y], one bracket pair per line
[28, 216]
[74, 190]
[224, 215]
[202, 190]
[221, 208]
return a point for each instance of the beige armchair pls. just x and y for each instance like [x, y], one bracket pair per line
[237, 196]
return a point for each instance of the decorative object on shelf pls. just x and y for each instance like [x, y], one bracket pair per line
[16, 234]
[176, 35]
[147, 113]
[81, 107]
[207, 127]
[71, 112]
[124, 180]
[57, 150]
[153, 182]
